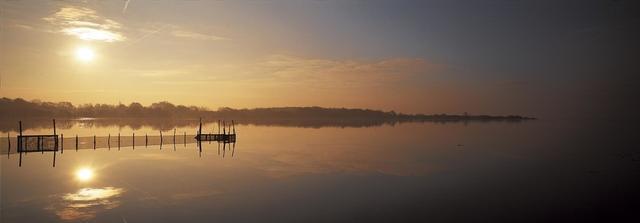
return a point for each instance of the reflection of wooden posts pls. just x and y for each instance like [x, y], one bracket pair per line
[76, 142]
[94, 142]
[233, 151]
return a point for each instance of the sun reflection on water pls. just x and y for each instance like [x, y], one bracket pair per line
[84, 174]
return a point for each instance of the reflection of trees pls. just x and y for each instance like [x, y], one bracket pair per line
[169, 124]
[166, 116]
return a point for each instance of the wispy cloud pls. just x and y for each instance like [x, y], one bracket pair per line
[85, 24]
[286, 68]
[196, 35]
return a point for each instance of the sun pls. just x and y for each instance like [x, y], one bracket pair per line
[85, 54]
[84, 174]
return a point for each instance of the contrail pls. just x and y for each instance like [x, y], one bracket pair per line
[126, 4]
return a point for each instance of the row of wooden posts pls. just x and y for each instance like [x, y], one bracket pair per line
[231, 129]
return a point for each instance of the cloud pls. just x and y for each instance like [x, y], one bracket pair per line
[195, 35]
[85, 24]
[343, 72]
[87, 33]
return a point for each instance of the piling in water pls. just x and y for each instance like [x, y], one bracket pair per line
[9, 145]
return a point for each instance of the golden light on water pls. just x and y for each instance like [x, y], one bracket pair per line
[84, 54]
[84, 174]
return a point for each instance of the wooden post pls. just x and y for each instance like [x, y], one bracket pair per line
[218, 126]
[61, 143]
[146, 140]
[109, 141]
[224, 128]
[200, 130]
[55, 142]
[94, 142]
[76, 142]
[19, 145]
[118, 141]
[134, 140]
[38, 146]
[160, 139]
[174, 136]
[54, 158]
[185, 139]
[233, 125]
[9, 142]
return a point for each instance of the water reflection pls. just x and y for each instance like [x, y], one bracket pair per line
[84, 174]
[9, 124]
[87, 202]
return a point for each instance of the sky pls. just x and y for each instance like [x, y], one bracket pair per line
[536, 58]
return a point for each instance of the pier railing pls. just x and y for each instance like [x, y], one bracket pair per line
[37, 143]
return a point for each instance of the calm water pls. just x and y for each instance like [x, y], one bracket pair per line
[413, 172]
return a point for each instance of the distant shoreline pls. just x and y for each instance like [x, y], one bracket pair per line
[20, 108]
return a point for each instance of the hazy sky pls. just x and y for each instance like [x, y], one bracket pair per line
[526, 57]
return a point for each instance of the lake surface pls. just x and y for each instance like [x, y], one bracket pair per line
[410, 172]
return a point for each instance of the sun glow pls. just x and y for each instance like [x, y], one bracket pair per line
[84, 54]
[84, 174]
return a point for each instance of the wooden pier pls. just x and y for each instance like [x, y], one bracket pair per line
[37, 143]
[224, 136]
